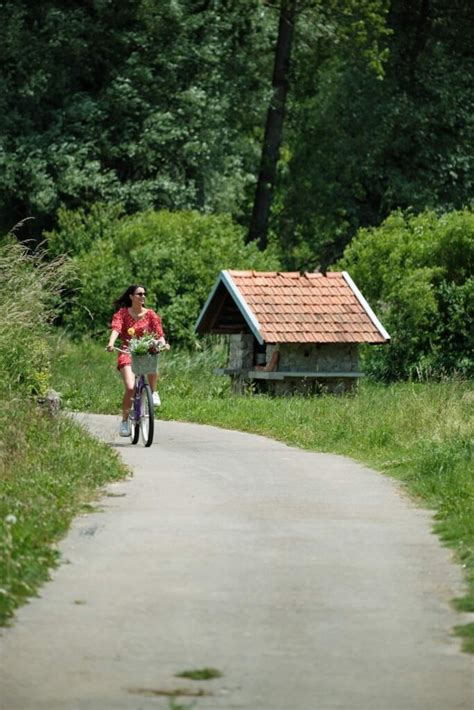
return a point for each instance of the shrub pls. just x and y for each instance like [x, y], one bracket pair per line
[176, 255]
[79, 229]
[416, 271]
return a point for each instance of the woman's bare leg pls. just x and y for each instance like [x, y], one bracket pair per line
[129, 384]
[153, 379]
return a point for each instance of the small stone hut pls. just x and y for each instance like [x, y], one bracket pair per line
[291, 332]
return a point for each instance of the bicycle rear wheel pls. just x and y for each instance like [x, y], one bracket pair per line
[147, 416]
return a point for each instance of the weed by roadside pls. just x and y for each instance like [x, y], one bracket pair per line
[179, 706]
[200, 674]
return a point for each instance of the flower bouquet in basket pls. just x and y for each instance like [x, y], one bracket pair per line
[144, 351]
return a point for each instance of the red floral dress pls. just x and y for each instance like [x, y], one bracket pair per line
[149, 322]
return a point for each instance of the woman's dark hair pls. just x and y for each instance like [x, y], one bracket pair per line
[124, 301]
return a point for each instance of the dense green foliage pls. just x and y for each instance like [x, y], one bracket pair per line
[417, 272]
[176, 255]
[152, 104]
[162, 106]
[420, 433]
[359, 148]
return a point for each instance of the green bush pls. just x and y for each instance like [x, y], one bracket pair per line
[176, 255]
[80, 228]
[416, 272]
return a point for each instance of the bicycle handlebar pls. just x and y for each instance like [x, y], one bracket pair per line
[160, 349]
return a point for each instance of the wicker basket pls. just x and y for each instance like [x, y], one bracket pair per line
[144, 364]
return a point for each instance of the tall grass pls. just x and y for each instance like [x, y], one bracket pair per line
[30, 288]
[49, 467]
[419, 433]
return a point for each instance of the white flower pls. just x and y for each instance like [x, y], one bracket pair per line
[10, 519]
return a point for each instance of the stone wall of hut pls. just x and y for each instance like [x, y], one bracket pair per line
[241, 351]
[324, 357]
[245, 353]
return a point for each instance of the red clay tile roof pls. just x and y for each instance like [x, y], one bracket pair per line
[310, 308]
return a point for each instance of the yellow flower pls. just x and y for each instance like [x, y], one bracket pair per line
[131, 331]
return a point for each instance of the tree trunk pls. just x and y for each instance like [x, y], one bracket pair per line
[421, 35]
[274, 127]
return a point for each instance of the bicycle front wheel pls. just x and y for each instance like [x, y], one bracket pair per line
[134, 428]
[147, 416]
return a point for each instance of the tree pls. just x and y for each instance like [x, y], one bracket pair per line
[143, 103]
[359, 148]
[258, 229]
[346, 22]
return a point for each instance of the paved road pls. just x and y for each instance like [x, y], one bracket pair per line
[308, 580]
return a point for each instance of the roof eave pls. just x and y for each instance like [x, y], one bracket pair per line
[366, 306]
[243, 306]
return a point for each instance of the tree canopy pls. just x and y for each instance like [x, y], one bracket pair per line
[359, 148]
[163, 105]
[144, 103]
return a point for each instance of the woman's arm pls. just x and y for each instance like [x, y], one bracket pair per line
[113, 337]
[117, 323]
[156, 327]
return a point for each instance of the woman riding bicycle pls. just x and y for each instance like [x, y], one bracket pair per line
[133, 319]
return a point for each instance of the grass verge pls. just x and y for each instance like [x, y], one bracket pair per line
[419, 433]
[50, 470]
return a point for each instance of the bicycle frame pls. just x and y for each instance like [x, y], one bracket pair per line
[139, 385]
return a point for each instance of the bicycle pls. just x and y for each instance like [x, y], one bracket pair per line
[141, 417]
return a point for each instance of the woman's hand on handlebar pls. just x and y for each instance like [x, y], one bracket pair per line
[162, 344]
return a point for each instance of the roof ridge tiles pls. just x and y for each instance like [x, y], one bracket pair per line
[287, 274]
